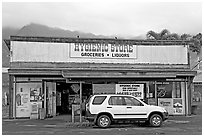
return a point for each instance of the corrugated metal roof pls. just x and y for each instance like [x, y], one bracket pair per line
[70, 40]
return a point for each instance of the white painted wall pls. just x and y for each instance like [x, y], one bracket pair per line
[60, 52]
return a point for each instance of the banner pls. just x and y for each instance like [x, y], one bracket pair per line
[136, 90]
[103, 50]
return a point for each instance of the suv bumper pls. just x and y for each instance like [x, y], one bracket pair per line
[90, 117]
[165, 115]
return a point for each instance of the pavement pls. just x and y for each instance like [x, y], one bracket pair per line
[62, 125]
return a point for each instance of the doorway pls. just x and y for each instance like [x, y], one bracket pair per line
[68, 94]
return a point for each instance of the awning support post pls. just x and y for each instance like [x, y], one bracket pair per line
[80, 94]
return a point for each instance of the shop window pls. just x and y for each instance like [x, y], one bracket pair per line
[176, 90]
[151, 90]
[26, 93]
[164, 89]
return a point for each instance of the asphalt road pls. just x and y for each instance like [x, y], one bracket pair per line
[175, 125]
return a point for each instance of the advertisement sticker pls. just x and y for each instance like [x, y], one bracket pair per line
[178, 106]
[136, 90]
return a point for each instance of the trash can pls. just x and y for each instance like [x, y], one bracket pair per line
[42, 113]
[194, 109]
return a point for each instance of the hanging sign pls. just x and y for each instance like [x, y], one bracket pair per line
[136, 90]
[103, 50]
[75, 87]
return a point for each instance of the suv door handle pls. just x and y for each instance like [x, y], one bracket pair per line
[109, 107]
[129, 107]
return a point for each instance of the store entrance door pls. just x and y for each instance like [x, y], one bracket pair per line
[63, 98]
[68, 94]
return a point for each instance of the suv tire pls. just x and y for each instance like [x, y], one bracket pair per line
[103, 121]
[155, 120]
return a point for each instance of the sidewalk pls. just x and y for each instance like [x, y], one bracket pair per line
[63, 120]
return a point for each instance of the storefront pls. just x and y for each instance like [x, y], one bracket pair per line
[52, 74]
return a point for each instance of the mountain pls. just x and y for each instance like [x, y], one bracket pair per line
[34, 29]
[6, 33]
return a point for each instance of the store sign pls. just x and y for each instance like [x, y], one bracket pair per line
[136, 90]
[103, 50]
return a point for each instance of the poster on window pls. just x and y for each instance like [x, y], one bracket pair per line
[35, 94]
[136, 90]
[22, 103]
[178, 106]
[164, 89]
[166, 103]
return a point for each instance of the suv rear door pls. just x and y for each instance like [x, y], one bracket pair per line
[116, 106]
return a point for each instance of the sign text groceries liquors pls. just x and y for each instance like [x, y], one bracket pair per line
[102, 50]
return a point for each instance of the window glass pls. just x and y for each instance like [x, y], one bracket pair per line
[117, 100]
[98, 100]
[164, 89]
[27, 96]
[176, 89]
[132, 101]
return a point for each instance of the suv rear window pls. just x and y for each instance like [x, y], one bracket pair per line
[98, 100]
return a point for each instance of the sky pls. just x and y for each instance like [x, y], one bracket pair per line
[131, 18]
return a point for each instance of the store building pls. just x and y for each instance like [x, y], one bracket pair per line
[55, 73]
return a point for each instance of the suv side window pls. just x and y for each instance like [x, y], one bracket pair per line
[98, 100]
[117, 100]
[130, 101]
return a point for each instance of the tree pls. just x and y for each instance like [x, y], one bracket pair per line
[163, 35]
[196, 43]
[185, 36]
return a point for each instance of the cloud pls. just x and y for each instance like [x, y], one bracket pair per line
[107, 18]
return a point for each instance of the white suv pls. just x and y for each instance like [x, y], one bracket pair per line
[106, 109]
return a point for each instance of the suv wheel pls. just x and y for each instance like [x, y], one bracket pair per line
[155, 120]
[103, 121]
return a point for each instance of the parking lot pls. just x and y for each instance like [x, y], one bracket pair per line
[175, 125]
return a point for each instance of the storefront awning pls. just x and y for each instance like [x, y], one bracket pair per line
[114, 74]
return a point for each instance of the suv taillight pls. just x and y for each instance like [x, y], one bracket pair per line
[87, 106]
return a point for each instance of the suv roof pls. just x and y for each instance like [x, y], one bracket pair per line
[112, 95]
